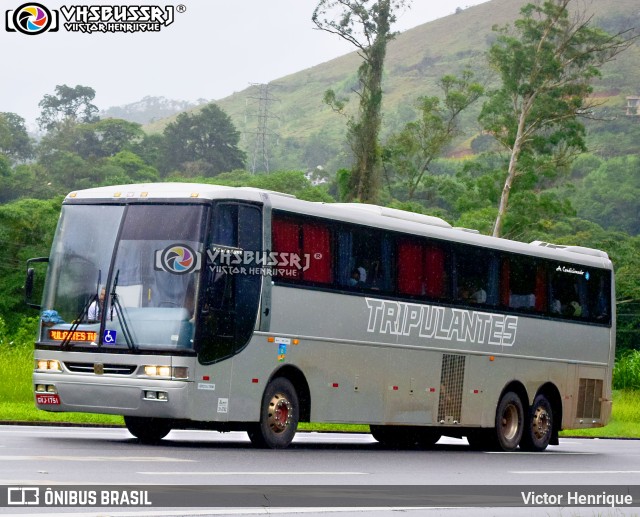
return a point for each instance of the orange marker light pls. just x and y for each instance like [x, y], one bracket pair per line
[271, 339]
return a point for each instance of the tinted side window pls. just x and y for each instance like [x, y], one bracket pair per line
[580, 293]
[475, 276]
[421, 269]
[523, 284]
[303, 249]
[230, 297]
[364, 259]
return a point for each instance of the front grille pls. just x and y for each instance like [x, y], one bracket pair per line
[106, 369]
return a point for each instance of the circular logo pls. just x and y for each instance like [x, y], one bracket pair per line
[32, 19]
[179, 259]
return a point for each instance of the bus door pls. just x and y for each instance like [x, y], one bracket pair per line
[229, 297]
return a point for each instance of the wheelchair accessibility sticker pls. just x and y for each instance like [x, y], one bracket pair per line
[109, 337]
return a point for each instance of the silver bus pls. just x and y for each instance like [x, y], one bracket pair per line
[187, 306]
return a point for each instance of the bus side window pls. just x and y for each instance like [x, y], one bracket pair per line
[285, 238]
[316, 249]
[436, 277]
[410, 268]
[230, 299]
[522, 284]
[421, 269]
[568, 295]
[345, 266]
[473, 275]
[306, 247]
[598, 300]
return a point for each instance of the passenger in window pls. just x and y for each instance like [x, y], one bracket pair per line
[479, 295]
[473, 292]
[576, 308]
[358, 277]
[566, 307]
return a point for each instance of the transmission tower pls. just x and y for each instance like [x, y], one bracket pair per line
[262, 134]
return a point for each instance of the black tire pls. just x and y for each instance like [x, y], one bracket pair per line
[148, 430]
[279, 416]
[509, 422]
[538, 428]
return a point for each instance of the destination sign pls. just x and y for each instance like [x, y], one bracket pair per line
[76, 335]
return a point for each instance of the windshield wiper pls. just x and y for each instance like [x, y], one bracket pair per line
[115, 304]
[66, 342]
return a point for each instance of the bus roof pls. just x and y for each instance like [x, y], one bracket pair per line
[364, 214]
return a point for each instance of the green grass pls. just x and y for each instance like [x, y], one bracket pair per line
[16, 368]
[625, 418]
[17, 405]
[626, 372]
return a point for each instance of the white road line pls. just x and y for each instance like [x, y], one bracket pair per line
[547, 453]
[265, 473]
[563, 472]
[95, 458]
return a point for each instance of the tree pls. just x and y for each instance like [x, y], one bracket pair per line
[367, 25]
[68, 103]
[26, 230]
[115, 135]
[411, 151]
[610, 195]
[546, 63]
[15, 143]
[205, 143]
[93, 140]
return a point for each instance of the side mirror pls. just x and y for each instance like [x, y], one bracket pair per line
[28, 284]
[30, 280]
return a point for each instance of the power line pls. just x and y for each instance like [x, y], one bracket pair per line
[262, 134]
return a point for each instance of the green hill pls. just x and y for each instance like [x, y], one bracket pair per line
[304, 131]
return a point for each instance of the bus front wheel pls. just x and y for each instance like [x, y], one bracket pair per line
[147, 430]
[279, 416]
[509, 422]
[539, 426]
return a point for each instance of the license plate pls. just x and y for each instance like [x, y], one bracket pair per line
[48, 399]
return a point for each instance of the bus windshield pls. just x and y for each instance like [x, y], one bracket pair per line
[124, 276]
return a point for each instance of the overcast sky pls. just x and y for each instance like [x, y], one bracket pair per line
[215, 48]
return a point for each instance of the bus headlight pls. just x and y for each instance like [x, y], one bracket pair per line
[48, 365]
[176, 372]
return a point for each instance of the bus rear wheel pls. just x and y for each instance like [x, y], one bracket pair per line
[509, 422]
[279, 416]
[539, 426]
[147, 430]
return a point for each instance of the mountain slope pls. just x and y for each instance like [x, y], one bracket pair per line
[416, 59]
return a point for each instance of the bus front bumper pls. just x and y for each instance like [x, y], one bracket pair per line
[113, 396]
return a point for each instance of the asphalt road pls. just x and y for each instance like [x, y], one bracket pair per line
[63, 456]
